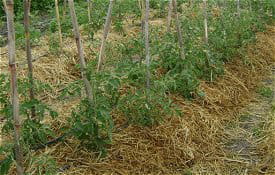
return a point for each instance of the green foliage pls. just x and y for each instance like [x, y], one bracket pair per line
[106, 87]
[92, 125]
[37, 5]
[20, 35]
[265, 92]
[42, 165]
[184, 83]
[145, 107]
[54, 45]
[34, 131]
[6, 151]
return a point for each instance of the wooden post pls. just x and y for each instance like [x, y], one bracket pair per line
[170, 9]
[179, 32]
[147, 46]
[58, 23]
[105, 35]
[14, 92]
[88, 87]
[205, 21]
[89, 10]
[27, 5]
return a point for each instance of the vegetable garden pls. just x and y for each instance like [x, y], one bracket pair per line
[126, 86]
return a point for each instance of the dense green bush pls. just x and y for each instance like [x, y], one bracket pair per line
[37, 5]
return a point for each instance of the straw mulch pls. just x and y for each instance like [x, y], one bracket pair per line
[178, 143]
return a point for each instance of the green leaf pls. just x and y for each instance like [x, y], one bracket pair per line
[5, 165]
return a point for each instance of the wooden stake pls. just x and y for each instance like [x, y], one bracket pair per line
[147, 46]
[89, 10]
[142, 15]
[27, 5]
[238, 8]
[180, 38]
[58, 23]
[205, 21]
[170, 8]
[88, 87]
[14, 92]
[5, 5]
[191, 3]
[64, 9]
[105, 35]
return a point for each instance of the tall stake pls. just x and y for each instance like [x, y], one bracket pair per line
[58, 23]
[89, 10]
[147, 51]
[105, 35]
[64, 9]
[191, 3]
[238, 8]
[169, 17]
[14, 92]
[5, 5]
[180, 38]
[88, 87]
[142, 15]
[205, 21]
[27, 5]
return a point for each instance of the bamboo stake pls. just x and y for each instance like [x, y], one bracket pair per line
[142, 16]
[27, 5]
[89, 10]
[88, 87]
[5, 5]
[191, 3]
[58, 24]
[238, 8]
[170, 8]
[139, 5]
[64, 9]
[205, 21]
[105, 35]
[147, 46]
[14, 92]
[179, 32]
[224, 3]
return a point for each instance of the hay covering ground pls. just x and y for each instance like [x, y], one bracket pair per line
[178, 143]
